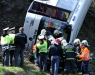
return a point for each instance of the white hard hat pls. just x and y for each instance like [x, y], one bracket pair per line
[43, 32]
[51, 38]
[64, 42]
[41, 37]
[85, 42]
[12, 28]
[6, 29]
[56, 31]
[77, 41]
[61, 38]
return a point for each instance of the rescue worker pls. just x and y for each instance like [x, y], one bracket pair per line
[5, 41]
[85, 56]
[42, 53]
[20, 41]
[63, 43]
[70, 56]
[55, 52]
[78, 60]
[43, 33]
[51, 40]
[36, 59]
[12, 45]
[57, 34]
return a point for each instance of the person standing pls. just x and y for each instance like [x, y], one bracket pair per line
[42, 53]
[78, 60]
[85, 56]
[12, 45]
[20, 41]
[55, 52]
[70, 59]
[5, 41]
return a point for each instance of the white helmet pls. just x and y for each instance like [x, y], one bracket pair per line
[41, 37]
[43, 32]
[51, 38]
[6, 29]
[85, 42]
[64, 42]
[77, 41]
[56, 32]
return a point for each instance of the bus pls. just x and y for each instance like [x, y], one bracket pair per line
[65, 15]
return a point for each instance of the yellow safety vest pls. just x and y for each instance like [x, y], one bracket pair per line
[12, 36]
[42, 47]
[5, 40]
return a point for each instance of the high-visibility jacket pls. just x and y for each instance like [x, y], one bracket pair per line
[85, 55]
[5, 40]
[12, 36]
[69, 52]
[42, 47]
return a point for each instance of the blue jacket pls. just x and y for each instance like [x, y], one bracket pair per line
[55, 50]
[20, 40]
[70, 52]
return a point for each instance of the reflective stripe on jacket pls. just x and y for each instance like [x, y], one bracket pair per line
[85, 55]
[69, 52]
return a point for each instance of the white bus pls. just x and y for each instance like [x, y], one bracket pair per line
[67, 15]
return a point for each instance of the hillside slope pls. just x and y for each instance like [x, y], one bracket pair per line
[13, 12]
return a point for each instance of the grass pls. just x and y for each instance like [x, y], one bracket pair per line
[29, 69]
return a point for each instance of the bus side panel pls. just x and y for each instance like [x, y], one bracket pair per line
[34, 29]
[78, 17]
[31, 26]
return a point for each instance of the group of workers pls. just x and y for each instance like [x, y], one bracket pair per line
[12, 45]
[74, 56]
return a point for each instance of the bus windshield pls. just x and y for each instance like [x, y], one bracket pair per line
[49, 11]
[62, 27]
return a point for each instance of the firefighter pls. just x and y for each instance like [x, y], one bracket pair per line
[42, 53]
[12, 45]
[57, 34]
[63, 43]
[70, 56]
[78, 60]
[85, 56]
[55, 52]
[5, 41]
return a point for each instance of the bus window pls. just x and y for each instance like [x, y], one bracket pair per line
[49, 11]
